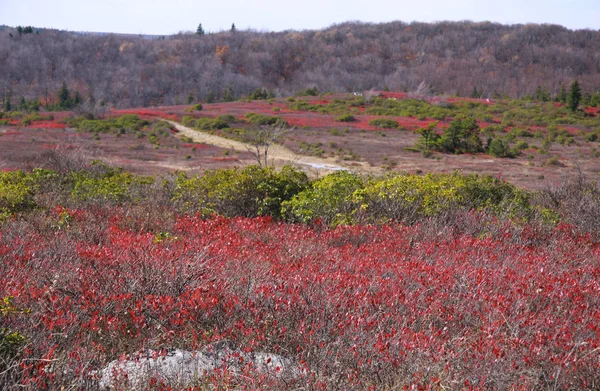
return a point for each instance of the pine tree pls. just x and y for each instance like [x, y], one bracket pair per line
[77, 99]
[200, 30]
[542, 94]
[233, 28]
[64, 97]
[574, 96]
[228, 95]
[7, 104]
[562, 95]
[428, 136]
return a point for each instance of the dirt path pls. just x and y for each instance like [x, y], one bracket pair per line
[277, 153]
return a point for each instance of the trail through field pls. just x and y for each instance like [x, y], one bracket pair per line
[278, 154]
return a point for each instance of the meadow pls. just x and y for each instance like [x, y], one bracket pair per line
[372, 277]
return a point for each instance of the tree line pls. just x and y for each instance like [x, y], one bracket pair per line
[464, 58]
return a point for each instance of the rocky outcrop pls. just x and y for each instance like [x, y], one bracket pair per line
[180, 368]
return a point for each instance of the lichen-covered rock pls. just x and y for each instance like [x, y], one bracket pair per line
[179, 368]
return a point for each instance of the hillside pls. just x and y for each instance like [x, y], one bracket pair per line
[452, 57]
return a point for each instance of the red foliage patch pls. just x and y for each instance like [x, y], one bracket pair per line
[365, 305]
[47, 125]
[389, 95]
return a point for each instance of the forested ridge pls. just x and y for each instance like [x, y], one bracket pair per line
[451, 57]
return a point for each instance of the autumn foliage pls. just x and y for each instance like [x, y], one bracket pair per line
[472, 300]
[359, 307]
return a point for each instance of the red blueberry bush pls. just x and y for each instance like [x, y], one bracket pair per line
[359, 307]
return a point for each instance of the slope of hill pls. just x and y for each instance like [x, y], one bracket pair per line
[451, 57]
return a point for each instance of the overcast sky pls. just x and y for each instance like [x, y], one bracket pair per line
[172, 16]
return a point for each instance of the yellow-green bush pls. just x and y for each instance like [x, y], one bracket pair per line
[410, 197]
[384, 123]
[15, 193]
[10, 340]
[328, 199]
[110, 184]
[260, 119]
[344, 198]
[18, 188]
[249, 191]
[124, 124]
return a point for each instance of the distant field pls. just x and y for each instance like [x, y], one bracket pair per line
[553, 141]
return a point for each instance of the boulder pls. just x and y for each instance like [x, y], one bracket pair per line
[180, 368]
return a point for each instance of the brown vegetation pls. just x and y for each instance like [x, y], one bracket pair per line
[452, 57]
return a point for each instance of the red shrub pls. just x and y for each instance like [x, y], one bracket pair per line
[359, 306]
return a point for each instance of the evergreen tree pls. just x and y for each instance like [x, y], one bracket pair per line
[461, 136]
[228, 95]
[77, 99]
[475, 94]
[233, 28]
[429, 136]
[574, 96]
[200, 30]
[64, 97]
[7, 104]
[210, 97]
[542, 94]
[499, 148]
[562, 95]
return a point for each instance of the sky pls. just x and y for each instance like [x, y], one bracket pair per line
[173, 16]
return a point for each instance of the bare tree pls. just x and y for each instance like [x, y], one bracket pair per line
[261, 139]
[451, 56]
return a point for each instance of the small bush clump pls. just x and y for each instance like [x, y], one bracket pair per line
[384, 123]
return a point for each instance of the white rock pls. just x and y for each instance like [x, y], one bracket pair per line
[179, 368]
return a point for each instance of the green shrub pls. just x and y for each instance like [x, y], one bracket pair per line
[205, 123]
[260, 119]
[461, 136]
[408, 198]
[521, 145]
[107, 184]
[11, 341]
[500, 148]
[18, 189]
[328, 199]
[197, 107]
[346, 118]
[384, 123]
[314, 91]
[259, 94]
[230, 119]
[129, 123]
[250, 191]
